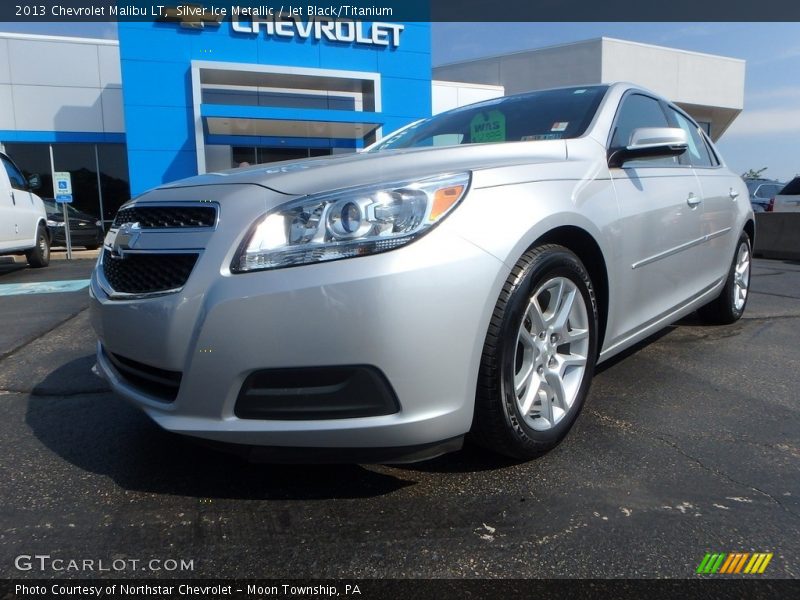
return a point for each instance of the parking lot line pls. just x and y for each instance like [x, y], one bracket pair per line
[43, 287]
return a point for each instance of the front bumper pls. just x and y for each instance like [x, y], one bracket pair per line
[418, 315]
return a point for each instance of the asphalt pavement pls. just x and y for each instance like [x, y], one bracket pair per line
[688, 444]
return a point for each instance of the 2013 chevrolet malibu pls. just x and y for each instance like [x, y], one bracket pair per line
[462, 276]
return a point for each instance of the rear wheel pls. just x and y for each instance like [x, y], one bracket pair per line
[729, 306]
[539, 355]
[39, 255]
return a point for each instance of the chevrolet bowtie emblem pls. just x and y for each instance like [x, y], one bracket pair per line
[191, 16]
[126, 239]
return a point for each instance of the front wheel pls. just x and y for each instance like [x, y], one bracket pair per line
[39, 255]
[729, 306]
[539, 355]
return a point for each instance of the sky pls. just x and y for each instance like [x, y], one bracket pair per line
[766, 134]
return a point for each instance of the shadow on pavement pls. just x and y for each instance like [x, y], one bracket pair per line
[72, 378]
[11, 267]
[471, 459]
[98, 432]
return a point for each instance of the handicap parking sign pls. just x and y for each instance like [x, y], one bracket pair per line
[63, 181]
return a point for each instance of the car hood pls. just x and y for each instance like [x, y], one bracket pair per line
[79, 218]
[314, 175]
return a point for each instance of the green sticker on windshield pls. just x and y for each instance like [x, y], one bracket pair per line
[488, 127]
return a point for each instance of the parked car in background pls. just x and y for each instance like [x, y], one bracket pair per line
[461, 277]
[787, 199]
[23, 228]
[84, 229]
[762, 191]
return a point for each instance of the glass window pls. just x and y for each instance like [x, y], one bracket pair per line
[697, 154]
[243, 156]
[768, 190]
[545, 115]
[56, 208]
[268, 155]
[261, 155]
[710, 148]
[114, 181]
[17, 179]
[33, 158]
[639, 111]
[79, 160]
[51, 208]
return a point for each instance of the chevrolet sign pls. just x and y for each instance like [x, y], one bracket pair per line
[376, 34]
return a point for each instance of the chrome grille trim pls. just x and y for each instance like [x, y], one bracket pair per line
[136, 212]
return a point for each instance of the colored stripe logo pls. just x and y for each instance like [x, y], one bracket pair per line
[734, 563]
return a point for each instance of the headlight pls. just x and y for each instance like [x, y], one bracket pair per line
[347, 223]
[55, 223]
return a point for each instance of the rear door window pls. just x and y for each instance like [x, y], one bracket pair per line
[697, 155]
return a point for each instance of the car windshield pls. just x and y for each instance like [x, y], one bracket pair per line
[54, 208]
[546, 115]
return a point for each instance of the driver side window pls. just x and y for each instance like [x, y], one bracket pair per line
[639, 111]
[18, 181]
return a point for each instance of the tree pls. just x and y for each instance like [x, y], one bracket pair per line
[754, 173]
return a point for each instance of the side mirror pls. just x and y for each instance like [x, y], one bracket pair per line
[651, 142]
[34, 181]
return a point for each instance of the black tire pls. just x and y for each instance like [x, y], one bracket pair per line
[39, 256]
[498, 424]
[723, 310]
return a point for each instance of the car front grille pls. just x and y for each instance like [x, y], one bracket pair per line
[147, 273]
[167, 217]
[159, 383]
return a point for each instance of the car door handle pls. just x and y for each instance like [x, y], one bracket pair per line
[13, 199]
[692, 200]
[733, 194]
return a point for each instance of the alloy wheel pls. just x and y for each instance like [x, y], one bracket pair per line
[741, 277]
[551, 353]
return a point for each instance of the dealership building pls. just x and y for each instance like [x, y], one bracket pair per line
[170, 99]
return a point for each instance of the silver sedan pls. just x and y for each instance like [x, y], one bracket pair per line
[463, 276]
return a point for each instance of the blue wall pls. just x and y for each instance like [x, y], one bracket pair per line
[156, 81]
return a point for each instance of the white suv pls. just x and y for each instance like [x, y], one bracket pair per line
[23, 220]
